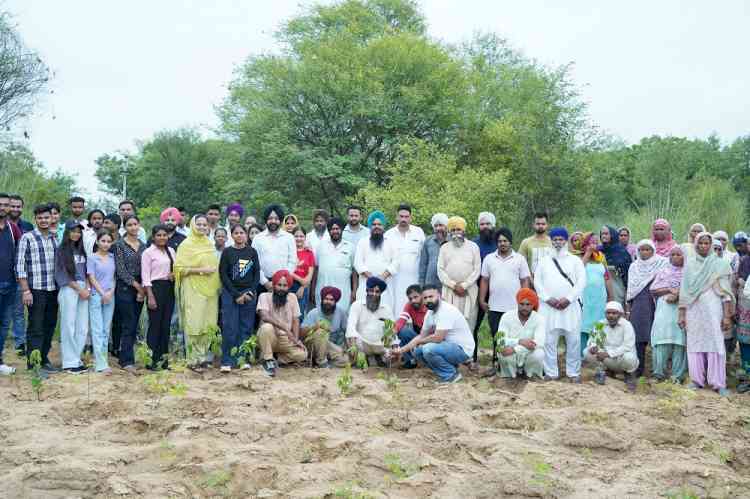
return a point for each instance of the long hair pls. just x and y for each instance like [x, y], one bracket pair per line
[67, 250]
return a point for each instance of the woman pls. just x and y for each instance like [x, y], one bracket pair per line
[618, 262]
[575, 244]
[667, 339]
[640, 307]
[197, 281]
[303, 274]
[100, 268]
[598, 290]
[220, 240]
[253, 231]
[55, 227]
[73, 297]
[290, 222]
[129, 293]
[742, 327]
[623, 235]
[157, 276]
[249, 222]
[688, 248]
[239, 271]
[705, 313]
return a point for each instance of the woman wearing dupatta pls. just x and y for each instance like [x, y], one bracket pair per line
[705, 312]
[598, 290]
[623, 236]
[197, 285]
[667, 339]
[640, 304]
[618, 262]
[688, 248]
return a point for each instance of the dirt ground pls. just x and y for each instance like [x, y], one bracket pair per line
[398, 434]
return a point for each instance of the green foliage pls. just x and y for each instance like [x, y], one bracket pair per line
[344, 381]
[398, 468]
[500, 340]
[216, 479]
[389, 334]
[247, 349]
[36, 378]
[162, 383]
[143, 355]
[21, 173]
[349, 491]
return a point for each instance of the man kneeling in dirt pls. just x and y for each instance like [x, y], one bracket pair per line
[324, 329]
[364, 328]
[522, 347]
[279, 329]
[618, 354]
[445, 341]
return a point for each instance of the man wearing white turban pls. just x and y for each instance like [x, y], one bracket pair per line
[487, 245]
[428, 260]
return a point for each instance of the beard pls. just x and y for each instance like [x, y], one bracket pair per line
[372, 302]
[336, 239]
[485, 235]
[539, 231]
[458, 241]
[280, 298]
[433, 305]
[376, 240]
[416, 306]
[327, 309]
[272, 227]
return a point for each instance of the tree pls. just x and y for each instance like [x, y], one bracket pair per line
[21, 173]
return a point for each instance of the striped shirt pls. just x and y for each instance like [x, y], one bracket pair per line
[35, 260]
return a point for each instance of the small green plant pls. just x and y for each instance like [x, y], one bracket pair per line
[500, 340]
[399, 469]
[359, 357]
[684, 492]
[144, 357]
[217, 479]
[392, 382]
[599, 335]
[163, 383]
[247, 349]
[389, 334]
[347, 491]
[37, 381]
[213, 337]
[344, 381]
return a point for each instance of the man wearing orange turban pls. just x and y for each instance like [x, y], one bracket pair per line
[520, 341]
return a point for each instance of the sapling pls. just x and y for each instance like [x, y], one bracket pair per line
[344, 381]
[500, 341]
[143, 355]
[36, 373]
[599, 335]
[162, 383]
[360, 357]
[247, 349]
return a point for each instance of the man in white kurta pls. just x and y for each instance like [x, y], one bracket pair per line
[618, 354]
[524, 334]
[407, 240]
[459, 265]
[375, 256]
[559, 305]
[319, 232]
[364, 328]
[334, 258]
[275, 247]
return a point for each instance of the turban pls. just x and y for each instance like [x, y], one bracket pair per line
[237, 208]
[439, 219]
[377, 215]
[486, 216]
[559, 232]
[721, 234]
[718, 244]
[336, 221]
[330, 290]
[615, 306]
[528, 294]
[170, 212]
[504, 231]
[376, 282]
[456, 223]
[739, 238]
[279, 274]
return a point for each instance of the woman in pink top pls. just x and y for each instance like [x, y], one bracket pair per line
[158, 281]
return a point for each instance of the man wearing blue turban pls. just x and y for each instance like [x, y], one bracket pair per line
[376, 256]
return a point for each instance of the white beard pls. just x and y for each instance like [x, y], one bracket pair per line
[561, 252]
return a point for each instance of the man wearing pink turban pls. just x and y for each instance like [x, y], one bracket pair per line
[661, 234]
[171, 218]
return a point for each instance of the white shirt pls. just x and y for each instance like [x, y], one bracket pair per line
[312, 240]
[504, 275]
[449, 319]
[408, 247]
[367, 325]
[184, 230]
[376, 262]
[619, 340]
[549, 283]
[354, 236]
[89, 239]
[535, 328]
[276, 251]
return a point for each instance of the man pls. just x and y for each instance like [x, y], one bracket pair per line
[410, 322]
[279, 329]
[661, 234]
[445, 341]
[319, 232]
[559, 280]
[9, 235]
[16, 211]
[171, 218]
[364, 327]
[536, 247]
[125, 209]
[375, 256]
[523, 344]
[487, 245]
[504, 273]
[407, 240]
[55, 226]
[235, 212]
[181, 225]
[112, 223]
[324, 329]
[618, 354]
[459, 265]
[276, 248]
[355, 231]
[213, 215]
[77, 206]
[94, 223]
[35, 269]
[334, 260]
[428, 260]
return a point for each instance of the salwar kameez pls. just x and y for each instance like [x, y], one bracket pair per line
[705, 341]
[594, 299]
[642, 311]
[667, 342]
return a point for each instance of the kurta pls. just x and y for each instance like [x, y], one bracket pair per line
[703, 318]
[461, 265]
[549, 283]
[408, 246]
[335, 267]
[618, 285]
[376, 262]
[534, 329]
[594, 296]
[665, 330]
[642, 311]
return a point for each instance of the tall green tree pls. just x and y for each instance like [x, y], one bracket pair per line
[21, 173]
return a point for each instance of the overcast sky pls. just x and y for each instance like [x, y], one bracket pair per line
[125, 70]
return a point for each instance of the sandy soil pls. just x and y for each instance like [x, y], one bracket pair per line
[245, 435]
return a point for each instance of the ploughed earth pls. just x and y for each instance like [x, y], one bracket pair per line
[396, 434]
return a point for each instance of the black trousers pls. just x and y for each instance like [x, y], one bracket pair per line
[640, 348]
[160, 322]
[493, 318]
[129, 313]
[41, 325]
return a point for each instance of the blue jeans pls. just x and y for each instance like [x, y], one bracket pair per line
[442, 358]
[19, 319]
[302, 301]
[407, 334]
[100, 315]
[7, 306]
[745, 356]
[236, 326]
[74, 325]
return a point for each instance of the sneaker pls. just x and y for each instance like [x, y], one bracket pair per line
[455, 379]
[106, 371]
[723, 392]
[630, 382]
[6, 370]
[50, 368]
[130, 369]
[226, 369]
[743, 388]
[269, 368]
[245, 366]
[600, 377]
[74, 370]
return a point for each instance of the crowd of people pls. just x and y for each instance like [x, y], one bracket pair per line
[341, 288]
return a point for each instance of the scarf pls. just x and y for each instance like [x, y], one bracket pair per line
[670, 276]
[197, 250]
[703, 273]
[596, 255]
[642, 272]
[663, 247]
[616, 255]
[575, 244]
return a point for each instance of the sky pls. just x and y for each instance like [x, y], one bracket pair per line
[125, 70]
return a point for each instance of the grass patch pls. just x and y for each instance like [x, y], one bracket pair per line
[216, 479]
[596, 418]
[398, 468]
[350, 490]
[672, 400]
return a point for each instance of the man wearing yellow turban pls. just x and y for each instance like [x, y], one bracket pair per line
[459, 264]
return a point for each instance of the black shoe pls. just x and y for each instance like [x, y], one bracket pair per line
[269, 368]
[75, 370]
[50, 368]
[630, 382]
